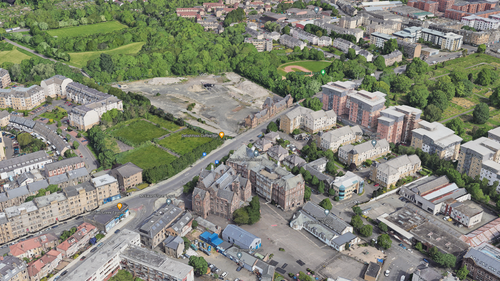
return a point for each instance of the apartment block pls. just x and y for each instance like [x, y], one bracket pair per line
[303, 35]
[308, 120]
[154, 229]
[4, 118]
[345, 45]
[378, 39]
[70, 178]
[128, 175]
[396, 123]
[436, 138]
[491, 171]
[348, 185]
[6, 233]
[4, 78]
[410, 50]
[55, 86]
[474, 153]
[292, 42]
[78, 240]
[409, 34]
[368, 56]
[480, 23]
[356, 32]
[23, 219]
[324, 41]
[52, 208]
[260, 44]
[34, 247]
[448, 41]
[357, 154]
[494, 134]
[348, 22]
[426, 5]
[13, 197]
[483, 262]
[106, 188]
[393, 58]
[388, 173]
[22, 98]
[362, 107]
[334, 139]
[82, 198]
[13, 269]
[63, 166]
[380, 28]
[45, 265]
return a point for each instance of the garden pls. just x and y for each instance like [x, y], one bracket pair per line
[56, 114]
[146, 156]
[182, 145]
[137, 132]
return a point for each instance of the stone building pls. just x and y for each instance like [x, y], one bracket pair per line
[271, 107]
[128, 175]
[334, 139]
[393, 57]
[390, 172]
[474, 153]
[357, 154]
[154, 229]
[308, 120]
[4, 78]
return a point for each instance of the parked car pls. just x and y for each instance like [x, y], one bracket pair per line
[387, 273]
[64, 273]
[82, 258]
[426, 260]
[376, 184]
[116, 231]
[239, 268]
[223, 274]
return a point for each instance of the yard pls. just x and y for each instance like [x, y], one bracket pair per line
[182, 145]
[171, 126]
[80, 59]
[139, 131]
[56, 114]
[146, 157]
[103, 27]
[13, 56]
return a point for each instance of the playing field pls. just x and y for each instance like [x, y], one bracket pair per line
[139, 132]
[182, 145]
[147, 157]
[103, 27]
[13, 56]
[80, 59]
[315, 66]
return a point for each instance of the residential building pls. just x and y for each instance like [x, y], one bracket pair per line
[13, 269]
[293, 160]
[13, 197]
[356, 32]
[291, 42]
[380, 28]
[372, 272]
[378, 39]
[317, 169]
[491, 171]
[78, 240]
[277, 153]
[54, 206]
[4, 118]
[389, 173]
[410, 50]
[308, 120]
[6, 233]
[328, 228]
[324, 41]
[241, 238]
[433, 193]
[303, 35]
[18, 217]
[106, 188]
[22, 98]
[368, 56]
[4, 79]
[362, 107]
[393, 57]
[70, 178]
[45, 265]
[448, 41]
[268, 180]
[272, 137]
[128, 175]
[220, 191]
[34, 247]
[357, 154]
[182, 225]
[345, 45]
[467, 212]
[23, 164]
[81, 198]
[108, 218]
[174, 246]
[153, 231]
[396, 123]
[480, 23]
[55, 86]
[63, 166]
[347, 185]
[348, 22]
[261, 44]
[263, 144]
[494, 134]
[209, 23]
[474, 153]
[270, 108]
[483, 262]
[334, 139]
[436, 138]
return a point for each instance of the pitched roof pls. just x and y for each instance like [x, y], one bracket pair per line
[238, 234]
[128, 169]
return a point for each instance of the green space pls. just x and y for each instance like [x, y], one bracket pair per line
[103, 27]
[138, 132]
[110, 143]
[56, 114]
[13, 56]
[171, 126]
[315, 66]
[464, 62]
[80, 59]
[146, 157]
[181, 145]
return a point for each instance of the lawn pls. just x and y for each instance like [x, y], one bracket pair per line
[181, 145]
[314, 66]
[171, 126]
[14, 56]
[139, 132]
[103, 27]
[464, 62]
[80, 59]
[56, 114]
[146, 157]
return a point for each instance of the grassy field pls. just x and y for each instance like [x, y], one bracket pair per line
[171, 126]
[139, 131]
[14, 56]
[462, 63]
[315, 66]
[181, 145]
[147, 157]
[103, 27]
[111, 144]
[80, 59]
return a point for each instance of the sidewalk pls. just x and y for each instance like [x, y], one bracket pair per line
[103, 240]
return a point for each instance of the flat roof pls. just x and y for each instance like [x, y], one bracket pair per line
[435, 234]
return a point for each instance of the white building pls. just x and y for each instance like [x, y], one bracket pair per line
[291, 42]
[55, 86]
[345, 45]
[491, 171]
[332, 140]
[467, 213]
[303, 35]
[324, 41]
[378, 39]
[23, 164]
[390, 172]
[480, 23]
[447, 41]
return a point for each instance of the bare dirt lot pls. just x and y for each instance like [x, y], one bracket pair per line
[223, 107]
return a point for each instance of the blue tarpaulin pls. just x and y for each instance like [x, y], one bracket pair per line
[205, 236]
[380, 260]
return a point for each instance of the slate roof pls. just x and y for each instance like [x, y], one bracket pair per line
[160, 219]
[71, 191]
[295, 160]
[240, 235]
[391, 167]
[10, 266]
[173, 242]
[333, 221]
[17, 162]
[63, 163]
[344, 238]
[128, 169]
[486, 257]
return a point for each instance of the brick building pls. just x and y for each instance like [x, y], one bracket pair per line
[483, 262]
[396, 123]
[34, 247]
[271, 107]
[220, 191]
[128, 175]
[426, 5]
[63, 166]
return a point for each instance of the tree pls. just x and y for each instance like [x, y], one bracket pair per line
[272, 127]
[24, 139]
[106, 63]
[481, 113]
[49, 100]
[390, 46]
[321, 186]
[401, 84]
[307, 193]
[379, 62]
[331, 192]
[330, 168]
[418, 96]
[418, 246]
[462, 272]
[356, 222]
[432, 113]
[75, 144]
[240, 216]
[457, 125]
[326, 204]
[433, 252]
[495, 97]
[446, 260]
[484, 77]
[439, 99]
[357, 210]
[253, 210]
[384, 241]
[366, 230]
[368, 83]
[296, 132]
[199, 265]
[351, 54]
[481, 49]
[382, 226]
[464, 52]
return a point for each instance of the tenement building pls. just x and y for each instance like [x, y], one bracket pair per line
[13, 269]
[268, 180]
[474, 153]
[388, 173]
[308, 120]
[220, 191]
[334, 139]
[63, 166]
[396, 123]
[128, 175]
[357, 154]
[483, 262]
[271, 107]
[154, 229]
[436, 138]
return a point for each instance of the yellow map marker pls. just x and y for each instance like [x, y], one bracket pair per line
[221, 135]
[119, 205]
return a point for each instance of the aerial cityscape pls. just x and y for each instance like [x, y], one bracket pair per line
[239, 140]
